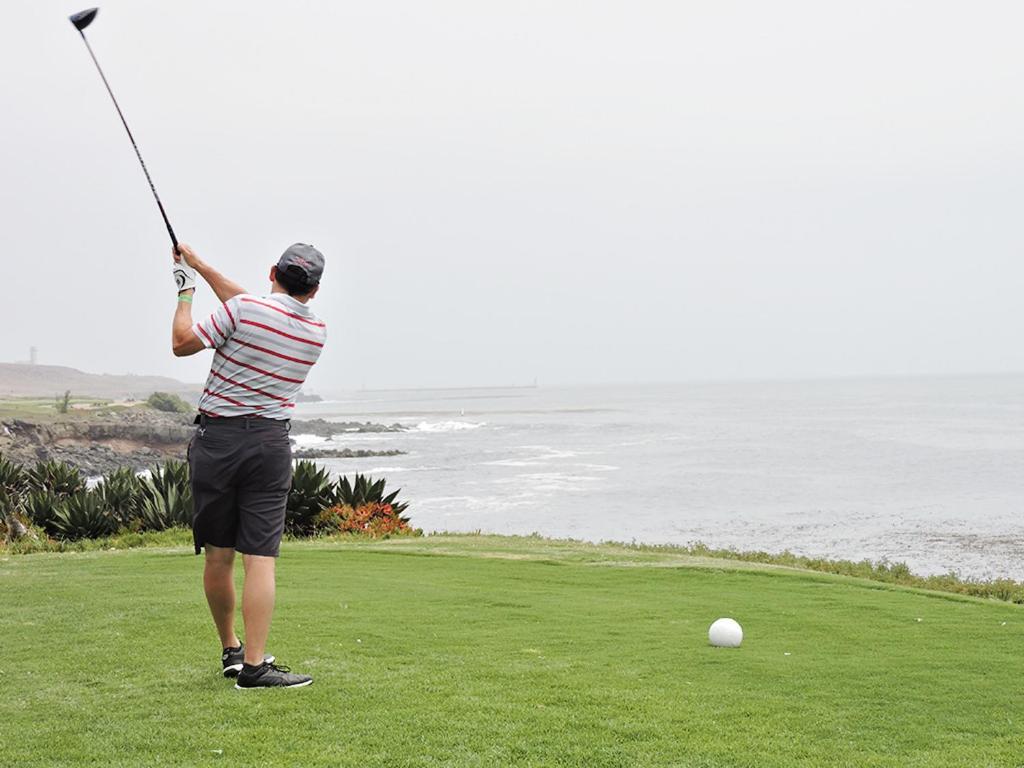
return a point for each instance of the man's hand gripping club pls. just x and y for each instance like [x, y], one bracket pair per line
[187, 265]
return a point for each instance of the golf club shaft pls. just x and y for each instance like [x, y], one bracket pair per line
[170, 230]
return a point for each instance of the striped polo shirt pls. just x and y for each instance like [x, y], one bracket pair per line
[265, 347]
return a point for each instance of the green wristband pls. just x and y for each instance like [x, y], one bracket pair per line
[185, 297]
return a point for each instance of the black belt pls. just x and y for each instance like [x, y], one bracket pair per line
[242, 422]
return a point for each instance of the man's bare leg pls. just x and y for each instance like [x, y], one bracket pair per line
[219, 583]
[257, 605]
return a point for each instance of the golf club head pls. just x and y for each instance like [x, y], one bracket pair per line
[83, 19]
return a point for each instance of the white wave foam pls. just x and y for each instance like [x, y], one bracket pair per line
[95, 481]
[513, 463]
[377, 470]
[308, 441]
[446, 426]
[546, 455]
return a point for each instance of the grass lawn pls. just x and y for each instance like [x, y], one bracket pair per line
[44, 409]
[489, 651]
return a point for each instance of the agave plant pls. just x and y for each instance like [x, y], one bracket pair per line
[160, 511]
[56, 477]
[12, 476]
[82, 515]
[366, 490]
[12, 522]
[312, 491]
[8, 502]
[121, 492]
[39, 507]
[171, 474]
[166, 497]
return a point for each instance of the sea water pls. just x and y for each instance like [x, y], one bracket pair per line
[926, 471]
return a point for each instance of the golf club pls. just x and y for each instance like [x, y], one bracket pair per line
[81, 20]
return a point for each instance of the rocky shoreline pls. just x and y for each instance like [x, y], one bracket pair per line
[97, 444]
[340, 453]
[141, 437]
[322, 428]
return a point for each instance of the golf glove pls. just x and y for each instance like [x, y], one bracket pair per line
[184, 275]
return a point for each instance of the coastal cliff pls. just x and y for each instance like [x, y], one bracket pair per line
[100, 443]
[138, 437]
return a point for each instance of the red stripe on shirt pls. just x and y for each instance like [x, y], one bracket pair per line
[251, 389]
[260, 370]
[230, 315]
[285, 312]
[272, 352]
[213, 319]
[282, 333]
[230, 400]
[206, 335]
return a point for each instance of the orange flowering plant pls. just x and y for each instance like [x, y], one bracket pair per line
[373, 519]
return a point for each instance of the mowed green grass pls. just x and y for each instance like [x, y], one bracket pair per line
[482, 651]
[41, 409]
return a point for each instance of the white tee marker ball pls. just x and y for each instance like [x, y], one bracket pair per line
[725, 633]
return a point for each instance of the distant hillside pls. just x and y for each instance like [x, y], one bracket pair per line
[25, 380]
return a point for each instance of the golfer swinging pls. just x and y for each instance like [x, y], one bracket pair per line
[240, 456]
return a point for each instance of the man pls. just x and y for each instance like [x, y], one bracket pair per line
[240, 456]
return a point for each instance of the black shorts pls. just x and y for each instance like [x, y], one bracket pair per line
[241, 473]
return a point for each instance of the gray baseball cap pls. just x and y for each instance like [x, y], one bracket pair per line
[303, 262]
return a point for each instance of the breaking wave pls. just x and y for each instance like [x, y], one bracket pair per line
[445, 426]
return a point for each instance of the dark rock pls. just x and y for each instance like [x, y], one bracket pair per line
[141, 437]
[323, 428]
[340, 453]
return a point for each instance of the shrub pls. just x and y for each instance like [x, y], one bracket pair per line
[82, 515]
[366, 490]
[63, 402]
[168, 403]
[374, 519]
[12, 477]
[171, 509]
[312, 491]
[39, 507]
[56, 477]
[171, 474]
[122, 493]
[12, 524]
[312, 494]
[52, 496]
[166, 497]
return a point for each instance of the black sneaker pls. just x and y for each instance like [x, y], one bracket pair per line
[269, 675]
[234, 658]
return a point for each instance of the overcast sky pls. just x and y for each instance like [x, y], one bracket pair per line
[569, 191]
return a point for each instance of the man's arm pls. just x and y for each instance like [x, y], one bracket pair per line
[222, 286]
[184, 341]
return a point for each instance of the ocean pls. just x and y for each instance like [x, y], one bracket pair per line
[927, 471]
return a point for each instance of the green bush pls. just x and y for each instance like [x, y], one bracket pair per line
[312, 492]
[168, 403]
[56, 477]
[8, 510]
[122, 493]
[365, 490]
[12, 476]
[63, 402]
[52, 496]
[166, 497]
[82, 515]
[171, 509]
[39, 507]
